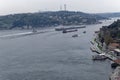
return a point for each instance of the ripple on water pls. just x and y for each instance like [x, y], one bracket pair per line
[38, 75]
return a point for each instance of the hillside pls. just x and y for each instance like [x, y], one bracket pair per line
[46, 19]
[109, 15]
[111, 33]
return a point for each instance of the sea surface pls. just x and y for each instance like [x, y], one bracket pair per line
[51, 56]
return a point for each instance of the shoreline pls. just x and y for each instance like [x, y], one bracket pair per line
[95, 43]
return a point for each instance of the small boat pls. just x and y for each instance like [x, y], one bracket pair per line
[99, 57]
[92, 42]
[84, 32]
[92, 49]
[114, 65]
[72, 30]
[75, 35]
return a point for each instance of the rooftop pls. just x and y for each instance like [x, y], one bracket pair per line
[117, 50]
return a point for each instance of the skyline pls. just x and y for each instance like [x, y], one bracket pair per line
[25, 6]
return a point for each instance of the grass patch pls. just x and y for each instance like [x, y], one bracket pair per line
[95, 40]
[100, 47]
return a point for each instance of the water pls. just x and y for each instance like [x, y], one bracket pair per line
[51, 56]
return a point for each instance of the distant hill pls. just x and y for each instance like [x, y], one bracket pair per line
[46, 19]
[109, 15]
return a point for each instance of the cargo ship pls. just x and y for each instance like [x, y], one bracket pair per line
[68, 28]
[72, 30]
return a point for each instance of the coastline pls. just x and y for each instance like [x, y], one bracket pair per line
[101, 48]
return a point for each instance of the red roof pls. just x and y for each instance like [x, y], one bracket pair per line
[117, 61]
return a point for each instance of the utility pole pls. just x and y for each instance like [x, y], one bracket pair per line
[65, 7]
[60, 8]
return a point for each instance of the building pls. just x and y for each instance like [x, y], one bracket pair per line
[113, 46]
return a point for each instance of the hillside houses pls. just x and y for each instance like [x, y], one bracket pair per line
[111, 35]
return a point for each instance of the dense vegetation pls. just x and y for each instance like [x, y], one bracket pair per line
[111, 33]
[45, 19]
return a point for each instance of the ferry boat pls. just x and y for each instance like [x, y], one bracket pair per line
[84, 32]
[99, 57]
[75, 35]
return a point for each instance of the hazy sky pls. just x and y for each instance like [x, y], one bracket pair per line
[90, 6]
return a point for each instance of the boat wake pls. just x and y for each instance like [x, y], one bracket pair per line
[10, 36]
